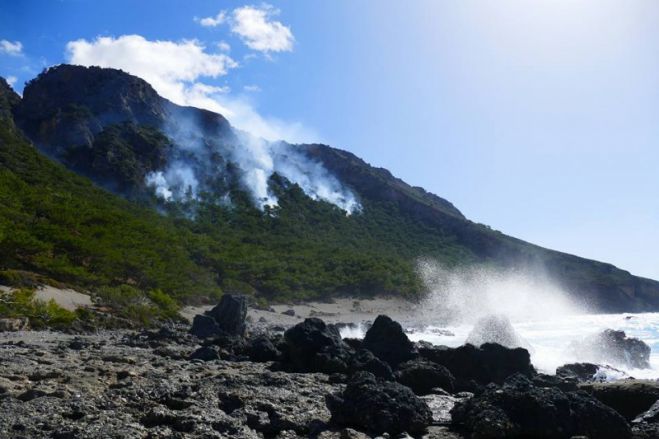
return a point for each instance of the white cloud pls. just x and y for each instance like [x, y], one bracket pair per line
[174, 69]
[213, 21]
[255, 27]
[224, 46]
[170, 67]
[252, 88]
[9, 48]
[11, 80]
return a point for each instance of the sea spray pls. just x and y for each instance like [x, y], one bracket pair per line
[464, 295]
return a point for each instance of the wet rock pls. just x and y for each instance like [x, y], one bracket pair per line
[313, 346]
[387, 340]
[422, 376]
[491, 363]
[519, 409]
[630, 398]
[289, 312]
[495, 329]
[379, 407]
[566, 384]
[589, 372]
[646, 425]
[613, 347]
[581, 372]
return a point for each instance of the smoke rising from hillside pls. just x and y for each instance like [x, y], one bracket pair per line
[196, 160]
[461, 296]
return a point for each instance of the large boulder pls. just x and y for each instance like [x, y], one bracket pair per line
[520, 409]
[230, 314]
[204, 326]
[422, 376]
[495, 328]
[629, 397]
[387, 340]
[491, 363]
[226, 318]
[379, 406]
[313, 346]
[613, 347]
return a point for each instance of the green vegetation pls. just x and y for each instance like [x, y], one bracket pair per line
[144, 260]
[63, 228]
[21, 303]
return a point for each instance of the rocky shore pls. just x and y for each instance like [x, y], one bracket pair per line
[224, 376]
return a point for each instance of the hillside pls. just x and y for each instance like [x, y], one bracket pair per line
[176, 205]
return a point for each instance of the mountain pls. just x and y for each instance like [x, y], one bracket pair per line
[184, 203]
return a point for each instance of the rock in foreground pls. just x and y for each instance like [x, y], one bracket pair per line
[519, 409]
[387, 340]
[379, 407]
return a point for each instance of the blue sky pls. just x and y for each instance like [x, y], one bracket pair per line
[540, 118]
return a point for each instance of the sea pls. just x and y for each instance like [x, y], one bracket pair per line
[549, 338]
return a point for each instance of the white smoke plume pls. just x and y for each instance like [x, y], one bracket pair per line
[256, 160]
[463, 295]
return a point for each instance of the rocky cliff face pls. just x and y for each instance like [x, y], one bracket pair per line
[113, 128]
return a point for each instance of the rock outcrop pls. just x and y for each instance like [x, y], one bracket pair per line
[613, 347]
[629, 397]
[387, 340]
[519, 409]
[313, 346]
[423, 376]
[491, 363]
[226, 318]
[379, 407]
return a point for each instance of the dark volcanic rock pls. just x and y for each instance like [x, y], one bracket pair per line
[519, 409]
[646, 425]
[379, 407]
[495, 329]
[230, 314]
[613, 347]
[261, 349]
[204, 326]
[205, 353]
[491, 363]
[630, 398]
[422, 376]
[388, 342]
[365, 361]
[580, 371]
[226, 318]
[313, 346]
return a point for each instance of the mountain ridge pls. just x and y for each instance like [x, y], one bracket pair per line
[101, 115]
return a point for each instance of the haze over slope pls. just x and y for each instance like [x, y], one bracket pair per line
[271, 218]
